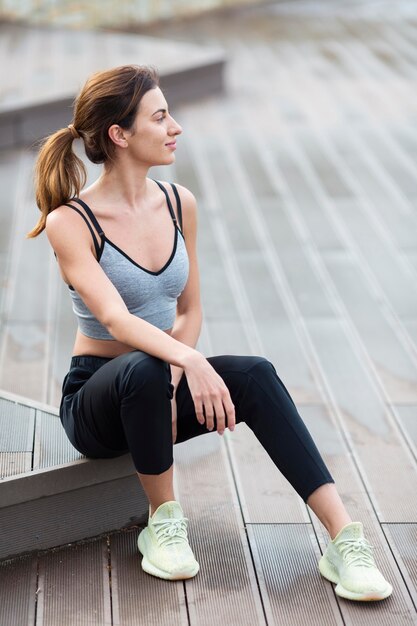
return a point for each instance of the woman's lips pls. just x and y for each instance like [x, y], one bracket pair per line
[172, 145]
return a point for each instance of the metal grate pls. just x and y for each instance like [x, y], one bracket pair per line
[52, 446]
[16, 427]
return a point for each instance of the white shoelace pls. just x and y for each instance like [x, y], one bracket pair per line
[170, 531]
[357, 552]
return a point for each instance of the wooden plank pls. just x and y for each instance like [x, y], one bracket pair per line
[74, 586]
[284, 347]
[395, 366]
[225, 589]
[367, 423]
[185, 172]
[264, 301]
[352, 487]
[18, 591]
[227, 337]
[303, 282]
[293, 583]
[330, 177]
[387, 205]
[265, 496]
[240, 232]
[408, 419]
[321, 229]
[404, 179]
[260, 181]
[403, 542]
[139, 599]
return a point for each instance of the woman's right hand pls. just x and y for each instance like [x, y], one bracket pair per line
[210, 394]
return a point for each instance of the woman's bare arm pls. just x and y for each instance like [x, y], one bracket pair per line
[73, 247]
[72, 244]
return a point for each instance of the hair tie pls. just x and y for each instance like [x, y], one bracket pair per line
[74, 132]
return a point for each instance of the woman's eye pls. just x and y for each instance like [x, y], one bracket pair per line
[160, 119]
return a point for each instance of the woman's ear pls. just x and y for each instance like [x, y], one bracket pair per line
[118, 135]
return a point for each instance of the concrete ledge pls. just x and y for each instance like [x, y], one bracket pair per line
[48, 507]
[62, 518]
[30, 111]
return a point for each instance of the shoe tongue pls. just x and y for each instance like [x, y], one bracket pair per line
[168, 510]
[354, 530]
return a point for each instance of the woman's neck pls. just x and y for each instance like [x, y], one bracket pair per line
[127, 186]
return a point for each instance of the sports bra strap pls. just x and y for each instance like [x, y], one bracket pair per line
[96, 244]
[178, 199]
[90, 215]
[171, 210]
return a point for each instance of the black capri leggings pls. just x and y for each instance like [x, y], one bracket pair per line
[112, 406]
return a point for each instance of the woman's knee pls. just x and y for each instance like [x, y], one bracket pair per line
[261, 368]
[236, 363]
[145, 373]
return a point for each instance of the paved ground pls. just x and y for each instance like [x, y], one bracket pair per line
[306, 178]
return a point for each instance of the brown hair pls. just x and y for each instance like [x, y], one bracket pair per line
[109, 97]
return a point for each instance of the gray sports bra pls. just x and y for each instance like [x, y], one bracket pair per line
[152, 296]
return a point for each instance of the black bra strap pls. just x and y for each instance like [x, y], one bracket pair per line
[171, 210]
[178, 199]
[90, 215]
[96, 244]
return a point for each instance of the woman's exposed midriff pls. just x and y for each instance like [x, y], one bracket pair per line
[98, 347]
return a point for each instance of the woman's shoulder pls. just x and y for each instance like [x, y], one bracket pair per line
[187, 198]
[64, 227]
[188, 206]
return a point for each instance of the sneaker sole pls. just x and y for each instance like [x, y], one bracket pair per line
[329, 572]
[151, 569]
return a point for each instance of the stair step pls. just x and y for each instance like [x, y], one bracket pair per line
[60, 497]
[42, 103]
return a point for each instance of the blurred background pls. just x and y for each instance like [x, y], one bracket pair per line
[299, 142]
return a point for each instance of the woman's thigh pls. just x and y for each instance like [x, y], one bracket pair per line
[113, 400]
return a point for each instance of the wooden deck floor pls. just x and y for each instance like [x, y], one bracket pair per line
[306, 177]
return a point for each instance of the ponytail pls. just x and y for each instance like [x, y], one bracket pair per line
[108, 97]
[59, 175]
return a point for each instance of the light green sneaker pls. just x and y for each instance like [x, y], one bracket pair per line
[164, 544]
[348, 562]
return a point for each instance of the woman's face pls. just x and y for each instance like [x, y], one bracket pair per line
[152, 141]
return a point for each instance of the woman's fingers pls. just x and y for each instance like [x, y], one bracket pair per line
[229, 407]
[209, 412]
[221, 412]
[220, 415]
[211, 397]
[199, 408]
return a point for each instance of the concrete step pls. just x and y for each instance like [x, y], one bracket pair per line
[46, 67]
[49, 494]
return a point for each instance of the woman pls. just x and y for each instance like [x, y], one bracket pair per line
[127, 250]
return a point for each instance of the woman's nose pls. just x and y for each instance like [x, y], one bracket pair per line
[176, 128]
